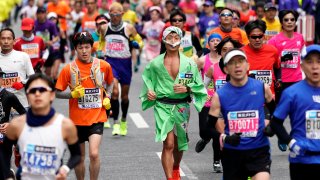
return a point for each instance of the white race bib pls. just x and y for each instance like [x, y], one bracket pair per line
[40, 160]
[313, 124]
[31, 49]
[245, 122]
[91, 99]
[263, 75]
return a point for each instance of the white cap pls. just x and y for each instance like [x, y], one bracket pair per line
[245, 1]
[52, 15]
[232, 53]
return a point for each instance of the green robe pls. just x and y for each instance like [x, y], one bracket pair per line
[168, 116]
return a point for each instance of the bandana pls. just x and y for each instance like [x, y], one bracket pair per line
[214, 35]
[170, 29]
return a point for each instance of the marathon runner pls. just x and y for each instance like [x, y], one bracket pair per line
[169, 80]
[43, 134]
[88, 100]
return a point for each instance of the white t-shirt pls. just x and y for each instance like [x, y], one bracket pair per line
[29, 12]
[17, 66]
[72, 24]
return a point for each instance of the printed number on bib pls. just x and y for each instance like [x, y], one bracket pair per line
[91, 99]
[263, 75]
[9, 79]
[245, 122]
[185, 78]
[31, 49]
[313, 124]
[40, 160]
[292, 64]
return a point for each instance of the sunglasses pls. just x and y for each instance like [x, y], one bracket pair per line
[40, 89]
[226, 15]
[102, 23]
[256, 37]
[289, 19]
[115, 15]
[176, 20]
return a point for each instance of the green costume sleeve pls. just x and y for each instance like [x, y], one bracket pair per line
[147, 85]
[198, 91]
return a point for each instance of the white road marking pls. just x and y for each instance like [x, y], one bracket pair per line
[187, 172]
[138, 120]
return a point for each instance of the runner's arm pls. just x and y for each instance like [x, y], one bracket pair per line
[17, 105]
[196, 44]
[270, 103]
[277, 126]
[213, 115]
[63, 95]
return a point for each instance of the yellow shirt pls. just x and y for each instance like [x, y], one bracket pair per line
[273, 28]
[130, 17]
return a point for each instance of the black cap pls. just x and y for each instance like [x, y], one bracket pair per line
[269, 6]
[41, 10]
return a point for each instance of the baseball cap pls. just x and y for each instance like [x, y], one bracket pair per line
[27, 24]
[232, 53]
[41, 10]
[312, 48]
[208, 3]
[245, 1]
[101, 18]
[52, 15]
[269, 6]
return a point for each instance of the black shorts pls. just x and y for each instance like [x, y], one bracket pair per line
[240, 164]
[304, 171]
[84, 132]
[53, 56]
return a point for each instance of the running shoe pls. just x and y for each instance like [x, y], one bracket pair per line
[123, 128]
[116, 129]
[282, 146]
[176, 174]
[107, 124]
[201, 144]
[217, 168]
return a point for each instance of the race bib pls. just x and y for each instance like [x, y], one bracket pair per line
[220, 83]
[313, 124]
[291, 63]
[185, 78]
[115, 45]
[40, 160]
[263, 75]
[91, 99]
[245, 122]
[9, 79]
[31, 49]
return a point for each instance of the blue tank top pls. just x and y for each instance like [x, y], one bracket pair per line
[242, 110]
[302, 103]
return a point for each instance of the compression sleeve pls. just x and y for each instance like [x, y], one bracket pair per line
[277, 126]
[75, 155]
[63, 95]
[271, 106]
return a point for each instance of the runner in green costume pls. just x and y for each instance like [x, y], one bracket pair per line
[171, 96]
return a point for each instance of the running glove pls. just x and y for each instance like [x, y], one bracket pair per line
[286, 57]
[77, 92]
[297, 147]
[135, 44]
[106, 103]
[17, 85]
[233, 140]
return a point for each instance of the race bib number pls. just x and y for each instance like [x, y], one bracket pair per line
[40, 160]
[291, 63]
[31, 49]
[220, 83]
[264, 76]
[115, 45]
[185, 78]
[313, 124]
[91, 99]
[245, 122]
[9, 79]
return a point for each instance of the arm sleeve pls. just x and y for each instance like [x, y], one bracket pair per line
[75, 155]
[197, 45]
[277, 126]
[17, 105]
